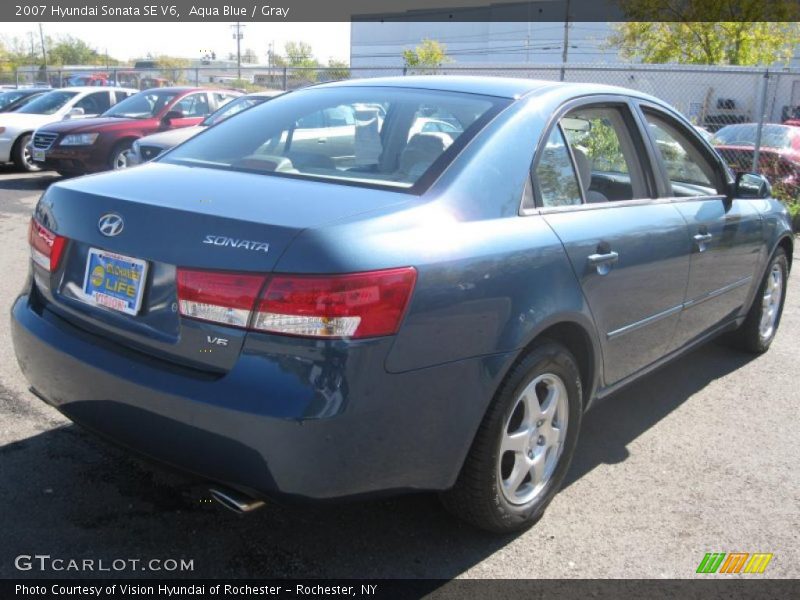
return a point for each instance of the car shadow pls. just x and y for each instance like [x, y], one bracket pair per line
[614, 422]
[72, 495]
[12, 179]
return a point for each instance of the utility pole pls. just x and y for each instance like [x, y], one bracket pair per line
[238, 37]
[565, 50]
[44, 52]
[33, 50]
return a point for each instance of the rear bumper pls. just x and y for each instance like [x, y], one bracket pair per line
[317, 424]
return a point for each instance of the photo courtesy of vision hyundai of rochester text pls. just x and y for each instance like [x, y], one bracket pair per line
[393, 285]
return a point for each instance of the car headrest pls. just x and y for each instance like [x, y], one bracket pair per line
[423, 149]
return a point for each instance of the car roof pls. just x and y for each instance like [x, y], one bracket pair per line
[505, 87]
[267, 93]
[91, 88]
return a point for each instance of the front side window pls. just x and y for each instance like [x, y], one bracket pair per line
[194, 105]
[48, 104]
[95, 103]
[555, 176]
[689, 172]
[346, 134]
[143, 105]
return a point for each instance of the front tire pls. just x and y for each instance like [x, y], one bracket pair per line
[761, 324]
[524, 445]
[22, 156]
[119, 156]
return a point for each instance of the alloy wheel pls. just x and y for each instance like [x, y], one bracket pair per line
[533, 439]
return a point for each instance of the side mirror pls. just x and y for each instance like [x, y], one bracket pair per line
[751, 185]
[166, 121]
[74, 113]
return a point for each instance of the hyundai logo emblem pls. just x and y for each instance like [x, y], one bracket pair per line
[110, 224]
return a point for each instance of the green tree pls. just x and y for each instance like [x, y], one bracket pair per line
[172, 68]
[430, 54]
[337, 69]
[69, 50]
[722, 32]
[249, 56]
[299, 54]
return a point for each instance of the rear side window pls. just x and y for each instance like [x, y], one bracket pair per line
[606, 153]
[363, 135]
[556, 181]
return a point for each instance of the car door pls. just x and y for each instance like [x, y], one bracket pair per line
[725, 233]
[94, 104]
[630, 251]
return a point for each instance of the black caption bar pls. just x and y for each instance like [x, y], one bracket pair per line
[398, 10]
[391, 589]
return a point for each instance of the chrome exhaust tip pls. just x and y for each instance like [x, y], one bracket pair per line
[235, 501]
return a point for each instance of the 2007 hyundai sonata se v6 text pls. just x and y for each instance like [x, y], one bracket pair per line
[373, 287]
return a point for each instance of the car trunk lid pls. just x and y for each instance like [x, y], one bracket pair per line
[175, 216]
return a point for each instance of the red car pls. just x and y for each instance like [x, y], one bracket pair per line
[103, 143]
[779, 152]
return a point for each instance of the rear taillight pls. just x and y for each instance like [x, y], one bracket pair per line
[226, 298]
[355, 305]
[46, 246]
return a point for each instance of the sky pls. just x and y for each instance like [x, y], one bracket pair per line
[191, 40]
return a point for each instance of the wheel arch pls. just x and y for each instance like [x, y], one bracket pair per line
[19, 137]
[577, 333]
[787, 244]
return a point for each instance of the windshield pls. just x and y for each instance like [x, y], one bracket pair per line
[143, 105]
[366, 135]
[47, 104]
[772, 136]
[230, 109]
[7, 98]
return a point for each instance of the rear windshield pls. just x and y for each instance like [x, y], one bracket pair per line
[378, 136]
[47, 104]
[772, 136]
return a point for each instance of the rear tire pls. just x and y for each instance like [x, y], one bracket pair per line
[761, 324]
[517, 461]
[21, 154]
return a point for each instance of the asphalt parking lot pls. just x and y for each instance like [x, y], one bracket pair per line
[701, 456]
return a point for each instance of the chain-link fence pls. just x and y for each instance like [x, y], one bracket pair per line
[741, 109]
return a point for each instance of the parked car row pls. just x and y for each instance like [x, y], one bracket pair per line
[86, 129]
[379, 286]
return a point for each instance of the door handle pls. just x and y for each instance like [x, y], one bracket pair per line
[702, 239]
[607, 258]
[322, 140]
[602, 262]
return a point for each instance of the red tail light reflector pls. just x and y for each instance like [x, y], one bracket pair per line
[354, 305]
[226, 298]
[46, 246]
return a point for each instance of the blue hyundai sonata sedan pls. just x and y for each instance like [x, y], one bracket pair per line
[396, 284]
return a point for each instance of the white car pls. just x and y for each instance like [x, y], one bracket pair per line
[16, 128]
